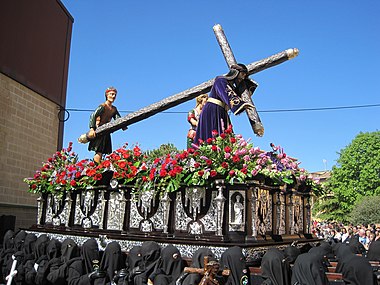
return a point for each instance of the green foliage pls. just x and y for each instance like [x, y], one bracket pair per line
[356, 174]
[163, 150]
[366, 211]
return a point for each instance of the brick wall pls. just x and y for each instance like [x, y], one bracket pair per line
[28, 136]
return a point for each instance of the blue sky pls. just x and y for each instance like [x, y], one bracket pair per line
[150, 50]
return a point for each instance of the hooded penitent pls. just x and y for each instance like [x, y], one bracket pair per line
[309, 270]
[112, 262]
[275, 267]
[234, 260]
[197, 261]
[150, 253]
[171, 267]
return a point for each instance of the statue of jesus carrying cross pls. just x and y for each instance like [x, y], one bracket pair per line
[244, 91]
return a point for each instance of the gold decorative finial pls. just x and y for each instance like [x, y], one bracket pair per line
[292, 52]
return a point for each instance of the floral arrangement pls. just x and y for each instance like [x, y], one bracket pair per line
[228, 156]
[236, 160]
[62, 170]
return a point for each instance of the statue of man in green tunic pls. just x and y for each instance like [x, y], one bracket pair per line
[102, 144]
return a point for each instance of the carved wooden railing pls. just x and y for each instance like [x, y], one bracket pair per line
[238, 213]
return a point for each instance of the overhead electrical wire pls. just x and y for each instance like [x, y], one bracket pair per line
[262, 111]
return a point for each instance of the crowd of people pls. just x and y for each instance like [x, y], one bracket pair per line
[338, 232]
[29, 259]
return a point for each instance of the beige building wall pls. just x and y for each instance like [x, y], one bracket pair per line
[28, 137]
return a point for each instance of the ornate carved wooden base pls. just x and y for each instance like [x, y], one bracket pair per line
[250, 215]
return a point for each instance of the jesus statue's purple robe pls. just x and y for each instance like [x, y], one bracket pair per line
[214, 115]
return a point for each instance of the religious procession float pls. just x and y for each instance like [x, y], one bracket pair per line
[221, 193]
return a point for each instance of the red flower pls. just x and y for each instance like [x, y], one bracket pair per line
[122, 164]
[90, 172]
[214, 133]
[106, 163]
[33, 186]
[224, 165]
[213, 173]
[133, 170]
[144, 178]
[214, 148]
[235, 158]
[151, 174]
[223, 135]
[201, 172]
[197, 165]
[163, 172]
[77, 175]
[232, 173]
[136, 151]
[183, 155]
[232, 140]
[73, 183]
[209, 140]
[63, 182]
[208, 161]
[98, 176]
[228, 130]
[244, 170]
[227, 149]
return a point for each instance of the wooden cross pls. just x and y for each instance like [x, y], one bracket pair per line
[252, 114]
[208, 271]
[193, 92]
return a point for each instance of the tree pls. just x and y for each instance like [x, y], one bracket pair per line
[366, 211]
[356, 174]
[163, 150]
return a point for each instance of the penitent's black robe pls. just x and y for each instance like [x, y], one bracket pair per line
[112, 261]
[309, 269]
[150, 253]
[275, 268]
[23, 256]
[170, 268]
[39, 255]
[59, 266]
[83, 266]
[234, 260]
[197, 261]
